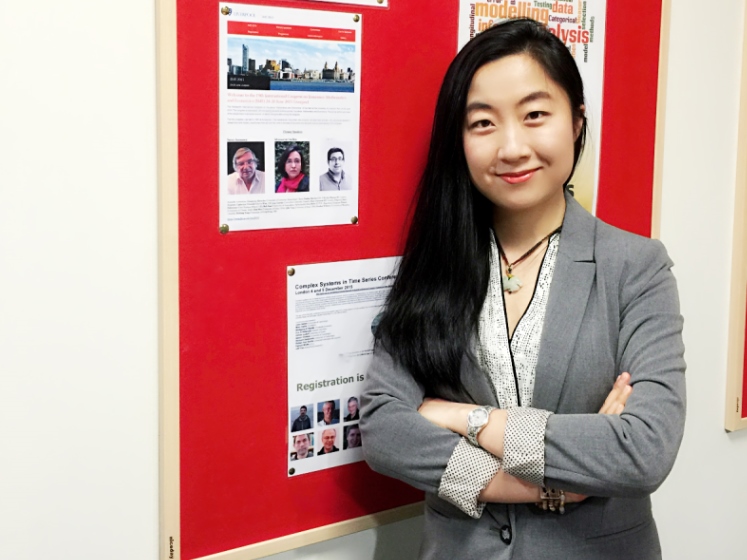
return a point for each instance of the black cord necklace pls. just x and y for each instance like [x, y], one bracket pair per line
[512, 283]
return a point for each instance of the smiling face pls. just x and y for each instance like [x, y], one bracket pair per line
[352, 407]
[518, 134]
[246, 165]
[354, 437]
[327, 409]
[336, 161]
[328, 440]
[293, 165]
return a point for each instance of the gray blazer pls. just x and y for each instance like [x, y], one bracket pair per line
[613, 307]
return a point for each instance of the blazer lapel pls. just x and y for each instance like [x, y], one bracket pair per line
[476, 383]
[569, 292]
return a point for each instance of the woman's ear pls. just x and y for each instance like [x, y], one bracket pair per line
[579, 120]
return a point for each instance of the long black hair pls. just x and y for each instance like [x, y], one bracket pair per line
[433, 309]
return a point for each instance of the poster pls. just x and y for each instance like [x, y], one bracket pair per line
[581, 26]
[289, 86]
[332, 310]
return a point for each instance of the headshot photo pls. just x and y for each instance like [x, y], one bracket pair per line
[329, 438]
[291, 170]
[328, 413]
[300, 419]
[334, 179]
[353, 412]
[246, 173]
[352, 437]
[303, 447]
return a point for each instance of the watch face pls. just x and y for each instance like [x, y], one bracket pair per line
[478, 417]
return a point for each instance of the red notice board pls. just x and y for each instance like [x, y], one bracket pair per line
[223, 322]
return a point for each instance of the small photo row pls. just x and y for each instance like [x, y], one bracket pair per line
[325, 413]
[302, 445]
[246, 168]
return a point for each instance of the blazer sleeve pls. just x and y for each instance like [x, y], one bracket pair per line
[397, 440]
[631, 454]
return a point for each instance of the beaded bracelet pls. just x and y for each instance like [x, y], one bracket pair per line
[551, 499]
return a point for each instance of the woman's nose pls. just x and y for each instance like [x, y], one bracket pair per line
[514, 144]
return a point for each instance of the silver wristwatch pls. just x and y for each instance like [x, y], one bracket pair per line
[476, 421]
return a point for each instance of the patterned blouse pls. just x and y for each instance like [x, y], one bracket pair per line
[509, 363]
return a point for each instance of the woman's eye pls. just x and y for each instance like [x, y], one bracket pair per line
[535, 115]
[482, 123]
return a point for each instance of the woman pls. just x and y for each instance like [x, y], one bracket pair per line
[529, 359]
[291, 166]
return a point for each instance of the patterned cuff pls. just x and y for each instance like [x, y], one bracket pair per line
[524, 444]
[468, 472]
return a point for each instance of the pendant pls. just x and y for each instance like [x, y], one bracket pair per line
[511, 284]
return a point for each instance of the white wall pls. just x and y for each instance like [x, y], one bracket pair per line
[78, 308]
[78, 354]
[700, 508]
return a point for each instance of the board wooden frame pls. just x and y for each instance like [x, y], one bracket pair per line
[735, 418]
[661, 99]
[169, 367]
[168, 279]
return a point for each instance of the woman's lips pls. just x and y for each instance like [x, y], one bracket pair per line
[517, 177]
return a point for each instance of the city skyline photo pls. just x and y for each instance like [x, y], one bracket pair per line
[301, 54]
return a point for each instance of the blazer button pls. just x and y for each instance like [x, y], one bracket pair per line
[506, 534]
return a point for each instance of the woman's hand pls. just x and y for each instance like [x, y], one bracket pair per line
[506, 489]
[615, 401]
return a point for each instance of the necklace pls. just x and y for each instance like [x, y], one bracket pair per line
[512, 283]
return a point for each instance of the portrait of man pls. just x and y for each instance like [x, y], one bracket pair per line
[246, 178]
[353, 413]
[327, 416]
[302, 421]
[302, 445]
[352, 437]
[328, 441]
[334, 178]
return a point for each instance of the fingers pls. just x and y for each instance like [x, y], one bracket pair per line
[572, 497]
[618, 396]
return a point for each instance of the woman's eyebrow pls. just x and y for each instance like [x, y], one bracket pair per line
[478, 106]
[534, 96]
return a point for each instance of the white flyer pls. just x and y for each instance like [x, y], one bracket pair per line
[581, 26]
[289, 89]
[332, 313]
